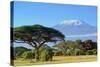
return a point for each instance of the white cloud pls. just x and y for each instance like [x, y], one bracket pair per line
[85, 35]
[71, 22]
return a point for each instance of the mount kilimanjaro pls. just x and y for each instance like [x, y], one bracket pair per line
[77, 29]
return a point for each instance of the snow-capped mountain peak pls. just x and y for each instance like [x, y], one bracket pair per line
[71, 22]
[76, 29]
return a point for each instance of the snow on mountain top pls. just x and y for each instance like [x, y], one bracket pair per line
[72, 22]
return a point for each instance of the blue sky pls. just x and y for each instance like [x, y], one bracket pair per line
[29, 13]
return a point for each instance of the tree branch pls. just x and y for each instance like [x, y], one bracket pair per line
[35, 45]
[31, 44]
[41, 44]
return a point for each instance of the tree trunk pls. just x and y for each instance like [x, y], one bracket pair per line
[37, 54]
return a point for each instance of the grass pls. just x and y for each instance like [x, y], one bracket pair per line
[57, 59]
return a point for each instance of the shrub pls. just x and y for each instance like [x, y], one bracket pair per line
[72, 52]
[28, 55]
[45, 53]
[18, 51]
[77, 52]
[81, 52]
[58, 53]
[89, 52]
[94, 51]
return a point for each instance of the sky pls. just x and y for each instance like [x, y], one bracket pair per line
[49, 14]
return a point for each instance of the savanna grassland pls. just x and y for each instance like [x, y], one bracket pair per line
[57, 59]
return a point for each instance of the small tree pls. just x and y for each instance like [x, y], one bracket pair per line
[36, 36]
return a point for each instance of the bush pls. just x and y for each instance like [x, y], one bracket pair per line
[45, 53]
[81, 52]
[58, 53]
[94, 51]
[18, 51]
[72, 52]
[77, 52]
[28, 55]
[68, 53]
[89, 52]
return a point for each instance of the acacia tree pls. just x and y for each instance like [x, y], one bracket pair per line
[36, 36]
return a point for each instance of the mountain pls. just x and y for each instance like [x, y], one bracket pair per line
[76, 29]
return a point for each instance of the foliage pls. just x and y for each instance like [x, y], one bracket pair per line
[94, 51]
[28, 55]
[18, 51]
[89, 52]
[45, 53]
[58, 53]
[88, 45]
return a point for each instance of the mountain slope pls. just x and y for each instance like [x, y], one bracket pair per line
[75, 27]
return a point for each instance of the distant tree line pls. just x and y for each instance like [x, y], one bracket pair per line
[78, 47]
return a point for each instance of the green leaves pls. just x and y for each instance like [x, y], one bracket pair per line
[45, 53]
[28, 55]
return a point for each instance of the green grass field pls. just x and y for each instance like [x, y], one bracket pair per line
[58, 59]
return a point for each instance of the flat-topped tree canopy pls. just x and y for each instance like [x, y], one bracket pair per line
[36, 34]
